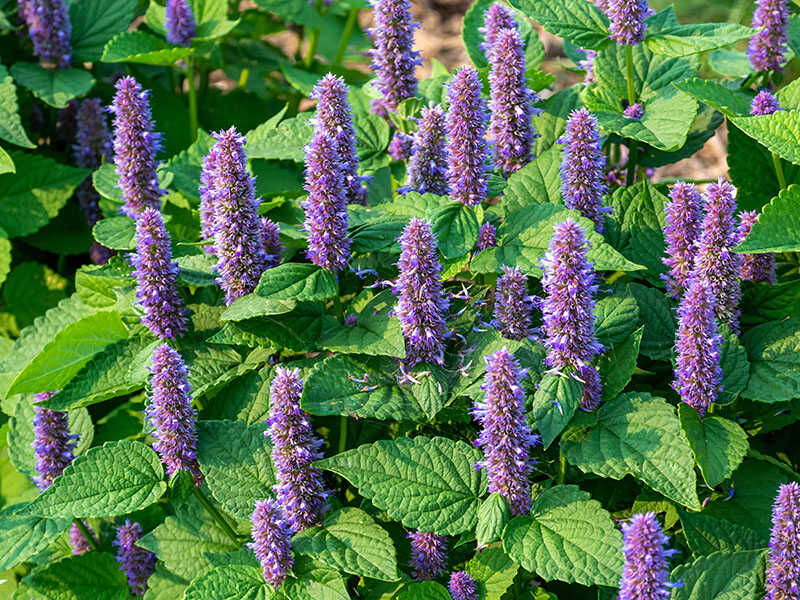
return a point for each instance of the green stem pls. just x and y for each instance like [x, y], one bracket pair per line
[633, 156]
[86, 533]
[212, 510]
[562, 468]
[192, 98]
[629, 75]
[342, 433]
[779, 170]
[352, 16]
[313, 40]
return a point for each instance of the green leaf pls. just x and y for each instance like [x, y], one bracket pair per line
[297, 281]
[640, 435]
[493, 572]
[6, 163]
[54, 87]
[349, 540]
[251, 305]
[659, 326]
[685, 40]
[164, 585]
[95, 22]
[426, 483]
[778, 225]
[735, 368]
[615, 318]
[582, 24]
[36, 193]
[314, 581]
[376, 335]
[473, 38]
[730, 63]
[537, 182]
[372, 135]
[295, 11]
[493, 515]
[235, 460]
[62, 358]
[22, 537]
[706, 535]
[11, 129]
[423, 590]
[93, 575]
[774, 353]
[187, 166]
[763, 302]
[230, 582]
[31, 289]
[358, 386]
[554, 405]
[429, 388]
[568, 537]
[726, 100]
[719, 445]
[617, 365]
[720, 576]
[141, 47]
[456, 227]
[113, 479]
[779, 132]
[287, 141]
[551, 122]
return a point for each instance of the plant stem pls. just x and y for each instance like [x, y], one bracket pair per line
[349, 25]
[313, 39]
[629, 75]
[779, 170]
[633, 156]
[86, 533]
[212, 510]
[562, 468]
[192, 98]
[342, 433]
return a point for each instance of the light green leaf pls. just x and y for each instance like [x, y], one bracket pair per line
[778, 225]
[6, 163]
[720, 576]
[493, 515]
[456, 227]
[11, 129]
[537, 182]
[93, 575]
[423, 590]
[727, 101]
[615, 318]
[640, 435]
[141, 47]
[32, 288]
[551, 122]
[349, 540]
[427, 483]
[617, 364]
[730, 63]
[568, 537]
[685, 40]
[493, 572]
[659, 326]
[297, 281]
[164, 585]
[735, 368]
[719, 445]
[22, 537]
[774, 353]
[113, 479]
[375, 335]
[779, 132]
[580, 23]
[706, 535]
[230, 582]
[314, 581]
[54, 87]
[287, 141]
[554, 405]
[94, 22]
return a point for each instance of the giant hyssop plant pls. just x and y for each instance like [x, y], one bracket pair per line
[276, 326]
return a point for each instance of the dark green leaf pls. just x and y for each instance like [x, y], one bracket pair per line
[54, 87]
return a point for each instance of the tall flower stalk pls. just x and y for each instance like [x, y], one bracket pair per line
[683, 216]
[755, 267]
[427, 167]
[181, 23]
[462, 586]
[783, 567]
[136, 562]
[645, 575]
[50, 29]
[496, 18]
[53, 444]
[512, 304]
[272, 541]
[428, 555]
[767, 48]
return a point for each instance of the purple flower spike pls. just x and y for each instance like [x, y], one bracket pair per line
[568, 309]
[496, 18]
[427, 168]
[462, 586]
[627, 20]
[511, 103]
[783, 568]
[335, 119]
[698, 374]
[587, 64]
[135, 148]
[273, 246]
[136, 562]
[53, 445]
[767, 48]
[683, 215]
[229, 210]
[645, 575]
[468, 170]
[634, 111]
[421, 304]
[428, 555]
[77, 541]
[180, 21]
[50, 29]
[505, 438]
[487, 237]
[715, 261]
[156, 278]
[394, 59]
[582, 177]
[512, 304]
[171, 414]
[401, 146]
[272, 541]
[326, 205]
[300, 488]
[765, 103]
[755, 267]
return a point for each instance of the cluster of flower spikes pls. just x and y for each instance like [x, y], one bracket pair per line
[462, 586]
[715, 260]
[272, 540]
[511, 102]
[767, 48]
[698, 375]
[568, 309]
[156, 278]
[427, 167]
[135, 148]
[755, 267]
[645, 575]
[505, 438]
[421, 304]
[487, 237]
[783, 567]
[181, 23]
[50, 29]
[229, 214]
[512, 304]
[394, 59]
[764, 103]
[684, 213]
[335, 119]
[467, 149]
[627, 18]
[136, 562]
[171, 414]
[582, 167]
[300, 489]
[428, 555]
